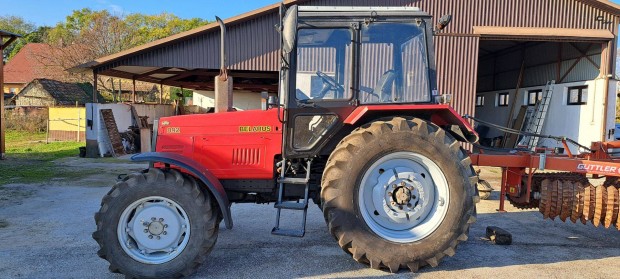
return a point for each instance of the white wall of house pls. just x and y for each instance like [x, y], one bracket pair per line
[243, 100]
[583, 123]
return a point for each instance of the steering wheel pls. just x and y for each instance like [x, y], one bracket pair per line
[329, 84]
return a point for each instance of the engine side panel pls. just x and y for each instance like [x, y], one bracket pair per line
[232, 145]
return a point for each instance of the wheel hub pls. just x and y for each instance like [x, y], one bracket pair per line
[157, 231]
[402, 196]
[399, 197]
[156, 228]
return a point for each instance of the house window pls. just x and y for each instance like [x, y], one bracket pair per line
[577, 95]
[480, 100]
[534, 96]
[502, 99]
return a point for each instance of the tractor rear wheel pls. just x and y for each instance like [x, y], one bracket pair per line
[399, 193]
[157, 224]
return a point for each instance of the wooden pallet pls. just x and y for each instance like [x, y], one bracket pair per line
[116, 144]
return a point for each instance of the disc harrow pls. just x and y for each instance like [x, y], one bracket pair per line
[537, 180]
[574, 200]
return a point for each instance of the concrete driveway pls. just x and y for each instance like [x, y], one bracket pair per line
[45, 232]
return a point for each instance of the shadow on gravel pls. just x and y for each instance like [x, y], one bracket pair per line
[250, 250]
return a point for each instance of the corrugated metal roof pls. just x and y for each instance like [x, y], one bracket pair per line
[544, 12]
[254, 43]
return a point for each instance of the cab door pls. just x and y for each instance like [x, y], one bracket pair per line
[321, 88]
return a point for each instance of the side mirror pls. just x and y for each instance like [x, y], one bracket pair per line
[444, 21]
[289, 31]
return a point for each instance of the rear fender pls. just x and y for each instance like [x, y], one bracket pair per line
[194, 168]
[441, 115]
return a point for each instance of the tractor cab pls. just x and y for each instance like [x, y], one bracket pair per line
[338, 58]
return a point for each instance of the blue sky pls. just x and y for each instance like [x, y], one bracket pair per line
[49, 12]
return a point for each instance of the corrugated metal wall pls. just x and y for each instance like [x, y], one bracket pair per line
[457, 67]
[253, 44]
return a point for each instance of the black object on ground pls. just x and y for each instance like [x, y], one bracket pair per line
[499, 236]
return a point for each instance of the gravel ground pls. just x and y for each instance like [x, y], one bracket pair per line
[46, 233]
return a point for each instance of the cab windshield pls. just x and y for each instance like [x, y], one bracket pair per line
[393, 64]
[323, 64]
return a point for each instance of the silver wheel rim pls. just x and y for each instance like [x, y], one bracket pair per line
[404, 197]
[153, 230]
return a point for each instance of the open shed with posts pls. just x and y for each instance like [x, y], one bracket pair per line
[495, 59]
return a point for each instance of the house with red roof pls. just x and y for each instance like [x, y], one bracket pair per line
[32, 62]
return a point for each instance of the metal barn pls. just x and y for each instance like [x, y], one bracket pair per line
[494, 59]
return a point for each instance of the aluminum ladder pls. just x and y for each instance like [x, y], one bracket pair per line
[536, 123]
[292, 205]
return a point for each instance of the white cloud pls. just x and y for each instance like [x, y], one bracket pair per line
[116, 10]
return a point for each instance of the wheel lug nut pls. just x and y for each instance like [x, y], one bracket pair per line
[394, 186]
[165, 226]
[400, 207]
[146, 231]
[145, 224]
[165, 233]
[403, 183]
[393, 203]
[390, 193]
[150, 237]
[161, 219]
[410, 205]
[153, 219]
[158, 237]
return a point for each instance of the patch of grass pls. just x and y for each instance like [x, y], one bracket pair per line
[30, 158]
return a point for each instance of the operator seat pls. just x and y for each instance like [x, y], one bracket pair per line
[383, 89]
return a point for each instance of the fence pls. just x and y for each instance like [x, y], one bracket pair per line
[66, 124]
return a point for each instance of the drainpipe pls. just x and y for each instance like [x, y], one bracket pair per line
[605, 135]
[607, 70]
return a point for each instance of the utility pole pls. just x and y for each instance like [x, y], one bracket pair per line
[10, 37]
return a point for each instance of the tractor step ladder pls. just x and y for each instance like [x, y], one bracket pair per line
[291, 205]
[536, 123]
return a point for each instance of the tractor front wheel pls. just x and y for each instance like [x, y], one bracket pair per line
[157, 224]
[399, 194]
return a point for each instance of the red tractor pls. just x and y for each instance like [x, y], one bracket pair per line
[359, 129]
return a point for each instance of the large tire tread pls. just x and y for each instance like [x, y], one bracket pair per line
[184, 183]
[346, 150]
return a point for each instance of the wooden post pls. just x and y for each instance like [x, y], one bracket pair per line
[514, 102]
[3, 45]
[133, 91]
[79, 126]
[120, 90]
[2, 124]
[95, 87]
[161, 93]
[47, 130]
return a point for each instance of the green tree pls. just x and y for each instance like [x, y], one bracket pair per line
[149, 28]
[17, 25]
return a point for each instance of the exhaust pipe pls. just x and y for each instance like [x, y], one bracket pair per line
[223, 83]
